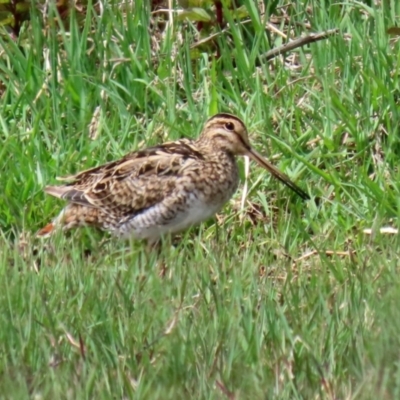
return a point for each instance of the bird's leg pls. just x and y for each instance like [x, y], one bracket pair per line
[154, 249]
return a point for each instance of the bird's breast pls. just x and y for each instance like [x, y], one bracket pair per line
[218, 180]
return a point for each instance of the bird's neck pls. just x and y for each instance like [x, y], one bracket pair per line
[213, 147]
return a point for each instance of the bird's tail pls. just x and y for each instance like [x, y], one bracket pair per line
[74, 216]
[47, 230]
[52, 226]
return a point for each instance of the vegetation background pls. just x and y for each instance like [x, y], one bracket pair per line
[279, 299]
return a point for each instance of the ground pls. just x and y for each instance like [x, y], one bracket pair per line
[276, 298]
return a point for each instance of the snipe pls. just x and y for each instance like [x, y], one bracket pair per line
[161, 189]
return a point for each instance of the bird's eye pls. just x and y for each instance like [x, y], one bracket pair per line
[230, 126]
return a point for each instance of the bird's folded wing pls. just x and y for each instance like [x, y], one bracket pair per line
[137, 181]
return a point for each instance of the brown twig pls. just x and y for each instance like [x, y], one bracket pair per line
[230, 395]
[327, 253]
[294, 44]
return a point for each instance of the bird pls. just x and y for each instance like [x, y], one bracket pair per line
[163, 189]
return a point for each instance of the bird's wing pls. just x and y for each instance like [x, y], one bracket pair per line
[137, 181]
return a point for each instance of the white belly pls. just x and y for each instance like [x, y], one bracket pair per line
[197, 213]
[141, 227]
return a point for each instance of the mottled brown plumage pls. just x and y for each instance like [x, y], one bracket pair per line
[161, 189]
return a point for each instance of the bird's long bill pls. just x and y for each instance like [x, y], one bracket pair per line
[277, 174]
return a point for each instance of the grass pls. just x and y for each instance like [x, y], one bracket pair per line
[254, 306]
